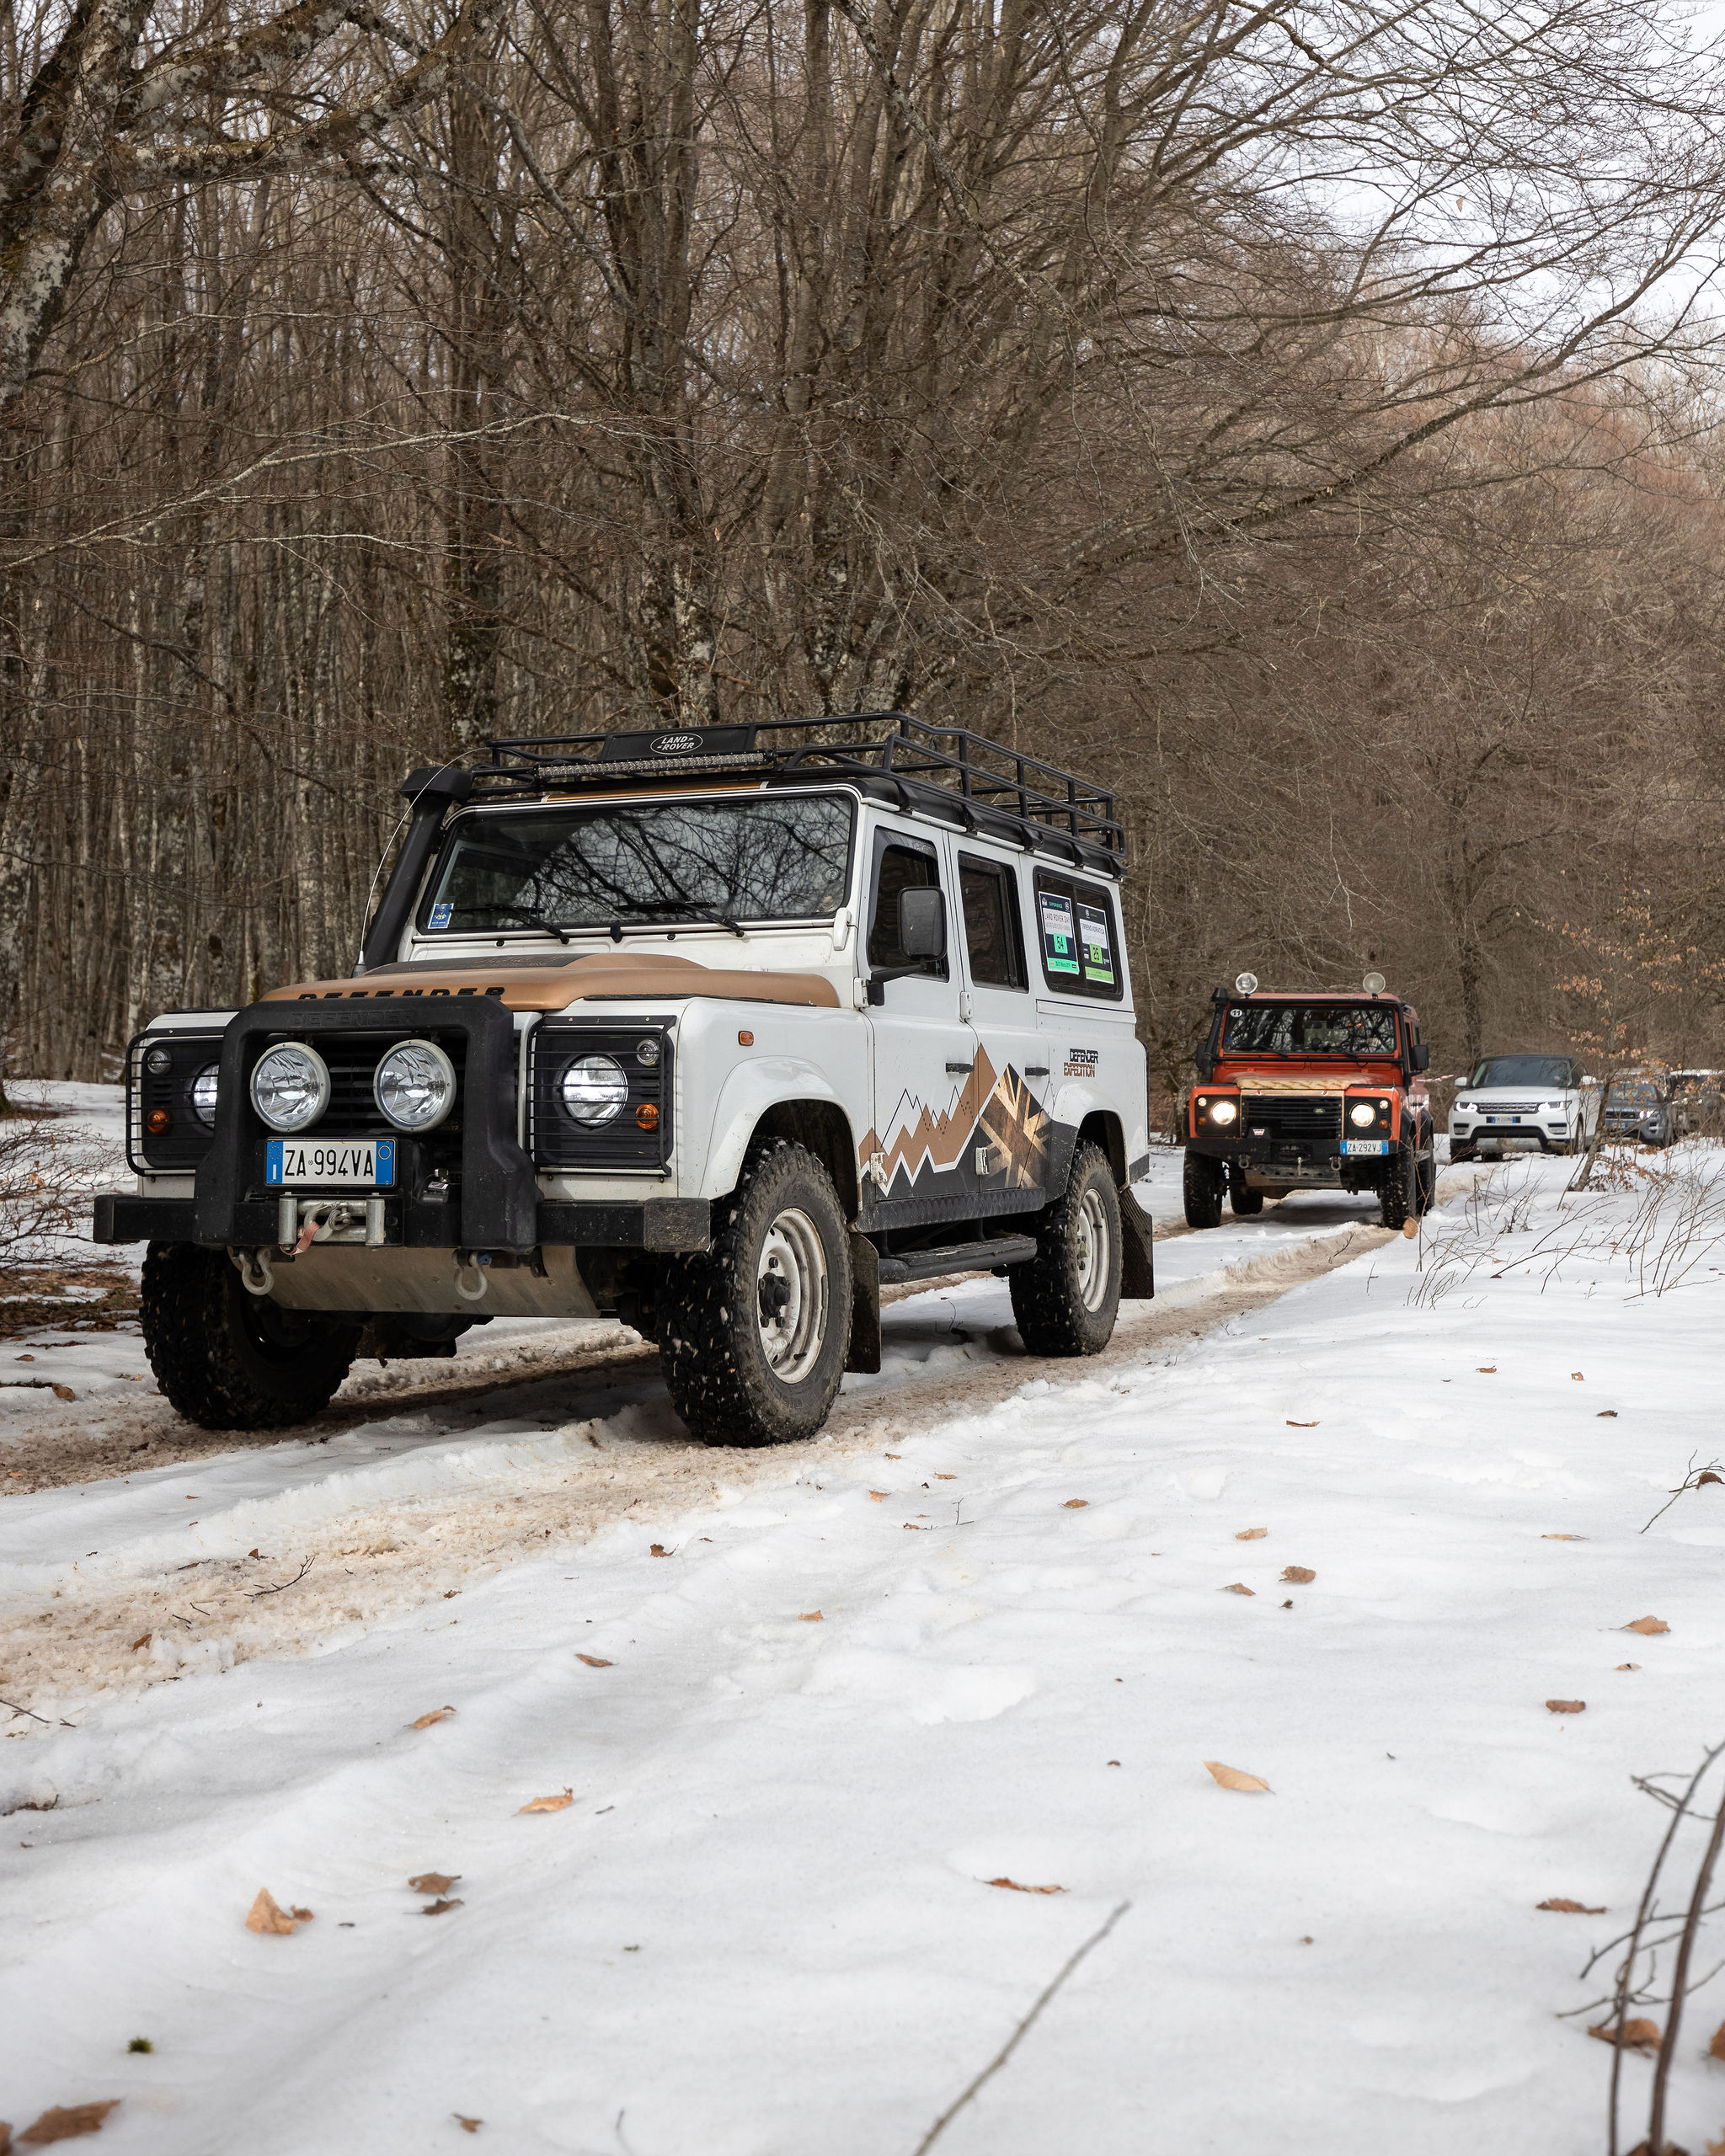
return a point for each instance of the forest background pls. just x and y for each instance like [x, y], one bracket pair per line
[1304, 419]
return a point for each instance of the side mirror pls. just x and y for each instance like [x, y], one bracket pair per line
[922, 923]
[1421, 1058]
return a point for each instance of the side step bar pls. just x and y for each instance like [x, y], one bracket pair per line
[957, 1257]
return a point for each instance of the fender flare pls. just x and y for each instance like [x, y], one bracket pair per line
[763, 1082]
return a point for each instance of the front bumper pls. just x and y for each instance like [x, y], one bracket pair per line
[655, 1224]
[1297, 1159]
[1544, 1132]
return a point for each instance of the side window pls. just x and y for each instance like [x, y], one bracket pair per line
[900, 864]
[989, 893]
[1079, 937]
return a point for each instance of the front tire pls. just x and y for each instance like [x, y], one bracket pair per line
[753, 1334]
[1066, 1300]
[1201, 1186]
[229, 1360]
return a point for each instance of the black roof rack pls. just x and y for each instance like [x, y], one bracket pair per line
[984, 785]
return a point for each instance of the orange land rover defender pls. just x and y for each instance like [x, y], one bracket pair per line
[1310, 1092]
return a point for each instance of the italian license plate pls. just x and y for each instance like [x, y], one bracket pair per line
[288, 1162]
[1365, 1145]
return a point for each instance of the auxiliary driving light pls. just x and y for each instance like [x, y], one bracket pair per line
[414, 1085]
[594, 1090]
[290, 1086]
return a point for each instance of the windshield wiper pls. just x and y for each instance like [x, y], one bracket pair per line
[703, 918]
[523, 913]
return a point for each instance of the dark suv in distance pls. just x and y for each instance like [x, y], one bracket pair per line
[1643, 1109]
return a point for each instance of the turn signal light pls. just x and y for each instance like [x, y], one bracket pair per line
[647, 1116]
[158, 1123]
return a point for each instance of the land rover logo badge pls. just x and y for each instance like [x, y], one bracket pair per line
[676, 744]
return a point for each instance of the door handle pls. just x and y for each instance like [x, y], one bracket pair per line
[959, 1070]
[1036, 1071]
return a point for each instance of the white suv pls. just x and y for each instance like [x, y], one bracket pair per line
[715, 1031]
[1523, 1103]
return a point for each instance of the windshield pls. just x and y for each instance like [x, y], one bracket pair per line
[1310, 1029]
[781, 858]
[1522, 1070]
[1642, 1092]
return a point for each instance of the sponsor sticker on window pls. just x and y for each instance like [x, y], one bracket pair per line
[442, 913]
[1060, 944]
[1097, 947]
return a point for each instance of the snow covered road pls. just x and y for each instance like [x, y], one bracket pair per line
[989, 1638]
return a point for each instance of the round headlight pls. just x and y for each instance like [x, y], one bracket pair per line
[647, 1052]
[1222, 1111]
[414, 1085]
[290, 1087]
[1361, 1113]
[594, 1090]
[201, 1093]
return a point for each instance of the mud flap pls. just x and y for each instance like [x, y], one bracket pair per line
[865, 1304]
[1137, 1259]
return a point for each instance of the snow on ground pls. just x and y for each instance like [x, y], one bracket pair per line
[871, 1676]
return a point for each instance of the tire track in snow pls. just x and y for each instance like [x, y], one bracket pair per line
[398, 1533]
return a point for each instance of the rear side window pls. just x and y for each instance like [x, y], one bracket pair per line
[899, 865]
[1079, 936]
[989, 891]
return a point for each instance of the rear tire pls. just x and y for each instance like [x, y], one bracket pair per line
[229, 1360]
[1201, 1186]
[753, 1334]
[1246, 1203]
[1066, 1300]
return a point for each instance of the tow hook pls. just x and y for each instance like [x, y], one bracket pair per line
[255, 1274]
[472, 1266]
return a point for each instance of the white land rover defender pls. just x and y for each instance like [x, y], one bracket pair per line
[713, 1032]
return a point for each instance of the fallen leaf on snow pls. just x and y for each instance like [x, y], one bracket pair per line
[1606, 1415]
[1577, 1376]
[437, 1713]
[1075, 1504]
[551, 1803]
[1300, 1426]
[1709, 1476]
[266, 1915]
[64, 2124]
[1238, 1587]
[1716, 2048]
[1410, 1229]
[1570, 1908]
[437, 1908]
[434, 1883]
[1017, 1889]
[1566, 1707]
[658, 1550]
[1487, 1369]
[939, 1477]
[1233, 1778]
[594, 1661]
[66, 1392]
[466, 2124]
[892, 1455]
[1649, 1626]
[879, 1496]
[1251, 1533]
[1635, 2035]
[1298, 1575]
[1562, 1537]
[142, 1640]
[809, 1617]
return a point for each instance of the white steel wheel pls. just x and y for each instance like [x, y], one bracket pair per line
[1092, 1251]
[791, 1296]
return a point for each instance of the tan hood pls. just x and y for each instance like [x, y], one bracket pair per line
[543, 985]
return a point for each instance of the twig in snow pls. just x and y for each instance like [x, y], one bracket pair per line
[1022, 2029]
[280, 1585]
[17, 1711]
[1691, 1480]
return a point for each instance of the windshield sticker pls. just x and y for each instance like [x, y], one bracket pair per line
[1059, 946]
[442, 913]
[1098, 953]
